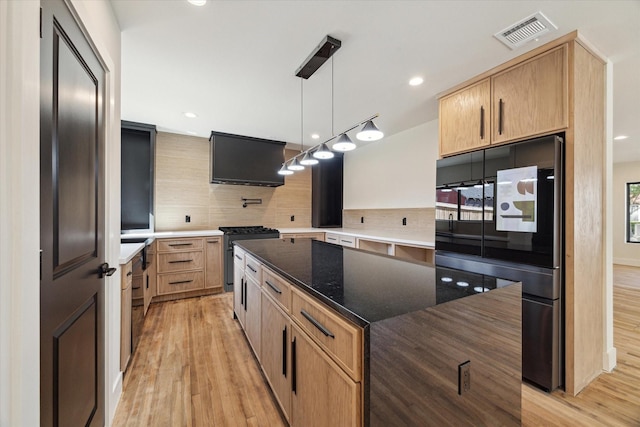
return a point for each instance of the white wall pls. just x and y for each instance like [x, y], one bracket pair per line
[19, 201]
[623, 252]
[398, 171]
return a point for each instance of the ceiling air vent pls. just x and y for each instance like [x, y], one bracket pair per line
[526, 30]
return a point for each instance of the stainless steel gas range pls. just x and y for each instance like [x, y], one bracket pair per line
[231, 234]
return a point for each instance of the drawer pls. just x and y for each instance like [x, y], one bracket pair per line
[339, 338]
[253, 268]
[349, 241]
[125, 271]
[170, 245]
[238, 257]
[180, 282]
[332, 238]
[180, 261]
[277, 288]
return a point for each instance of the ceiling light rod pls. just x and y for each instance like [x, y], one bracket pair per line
[327, 47]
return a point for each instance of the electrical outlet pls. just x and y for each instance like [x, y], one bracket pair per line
[187, 218]
[293, 218]
[464, 377]
[404, 221]
[361, 220]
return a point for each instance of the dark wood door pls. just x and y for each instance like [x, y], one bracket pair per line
[71, 224]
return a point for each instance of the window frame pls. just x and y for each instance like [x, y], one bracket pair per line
[628, 205]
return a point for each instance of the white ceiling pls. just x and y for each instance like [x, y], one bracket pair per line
[233, 62]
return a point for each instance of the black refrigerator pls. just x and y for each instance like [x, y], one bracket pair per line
[499, 211]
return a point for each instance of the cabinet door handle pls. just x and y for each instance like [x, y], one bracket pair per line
[272, 286]
[284, 351]
[180, 244]
[294, 364]
[129, 273]
[180, 260]
[239, 257]
[500, 108]
[242, 291]
[245, 295]
[317, 324]
[180, 282]
[251, 268]
[481, 122]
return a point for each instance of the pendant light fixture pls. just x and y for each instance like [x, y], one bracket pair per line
[344, 143]
[295, 165]
[369, 132]
[284, 171]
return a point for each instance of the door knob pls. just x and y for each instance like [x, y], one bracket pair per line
[105, 270]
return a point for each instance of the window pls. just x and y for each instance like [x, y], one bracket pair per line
[633, 212]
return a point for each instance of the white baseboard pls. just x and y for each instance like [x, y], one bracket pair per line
[114, 399]
[609, 359]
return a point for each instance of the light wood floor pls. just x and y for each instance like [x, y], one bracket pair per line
[193, 367]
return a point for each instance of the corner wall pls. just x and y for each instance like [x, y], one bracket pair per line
[623, 252]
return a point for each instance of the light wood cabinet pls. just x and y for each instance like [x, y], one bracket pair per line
[531, 98]
[525, 100]
[239, 287]
[253, 303]
[276, 358]
[213, 263]
[125, 316]
[465, 119]
[180, 266]
[338, 239]
[323, 395]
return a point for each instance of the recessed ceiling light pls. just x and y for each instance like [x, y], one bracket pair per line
[198, 2]
[416, 81]
[315, 136]
[190, 115]
[620, 137]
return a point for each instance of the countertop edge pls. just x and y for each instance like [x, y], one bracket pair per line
[128, 251]
[365, 234]
[170, 234]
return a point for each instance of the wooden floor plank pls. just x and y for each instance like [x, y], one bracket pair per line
[194, 367]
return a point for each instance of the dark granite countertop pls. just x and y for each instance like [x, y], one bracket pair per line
[363, 286]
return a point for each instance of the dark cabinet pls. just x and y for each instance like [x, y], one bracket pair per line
[138, 142]
[326, 192]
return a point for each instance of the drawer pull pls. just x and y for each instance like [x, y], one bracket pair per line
[136, 287]
[317, 324]
[180, 282]
[239, 257]
[347, 241]
[180, 260]
[272, 286]
[213, 241]
[251, 268]
[129, 273]
[180, 244]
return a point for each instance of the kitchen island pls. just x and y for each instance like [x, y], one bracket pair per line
[349, 337]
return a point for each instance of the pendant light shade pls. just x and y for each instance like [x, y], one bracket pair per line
[369, 132]
[344, 143]
[295, 165]
[308, 160]
[284, 171]
[323, 152]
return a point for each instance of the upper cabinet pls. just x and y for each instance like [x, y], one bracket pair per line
[531, 98]
[464, 119]
[524, 100]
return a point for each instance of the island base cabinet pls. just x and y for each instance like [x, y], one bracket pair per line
[252, 302]
[322, 394]
[276, 359]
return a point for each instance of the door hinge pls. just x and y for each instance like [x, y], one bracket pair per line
[40, 22]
